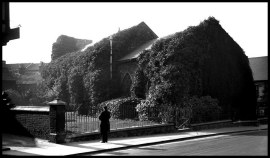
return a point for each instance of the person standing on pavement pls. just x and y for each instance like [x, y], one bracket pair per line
[104, 117]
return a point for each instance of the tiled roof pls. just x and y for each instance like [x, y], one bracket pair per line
[26, 82]
[259, 66]
[29, 66]
[16, 66]
[33, 67]
[31, 76]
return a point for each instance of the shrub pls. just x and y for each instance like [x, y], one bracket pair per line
[148, 112]
[83, 110]
[16, 97]
[7, 103]
[201, 109]
[121, 108]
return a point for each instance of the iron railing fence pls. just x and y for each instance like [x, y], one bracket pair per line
[78, 124]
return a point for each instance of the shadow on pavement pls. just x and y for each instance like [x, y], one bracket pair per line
[13, 132]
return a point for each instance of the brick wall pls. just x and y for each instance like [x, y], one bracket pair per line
[34, 119]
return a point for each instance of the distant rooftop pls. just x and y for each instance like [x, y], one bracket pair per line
[33, 67]
[259, 66]
[28, 66]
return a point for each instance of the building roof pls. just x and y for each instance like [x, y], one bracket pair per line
[6, 74]
[134, 54]
[259, 67]
[28, 66]
[33, 67]
[17, 66]
[31, 76]
[139, 50]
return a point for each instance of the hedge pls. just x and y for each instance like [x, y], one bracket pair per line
[122, 108]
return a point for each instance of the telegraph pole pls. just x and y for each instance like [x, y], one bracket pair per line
[111, 38]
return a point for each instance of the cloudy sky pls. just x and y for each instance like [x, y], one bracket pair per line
[41, 24]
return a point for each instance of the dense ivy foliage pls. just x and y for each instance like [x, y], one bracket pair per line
[193, 109]
[37, 95]
[149, 112]
[203, 109]
[15, 97]
[199, 61]
[65, 44]
[121, 108]
[83, 77]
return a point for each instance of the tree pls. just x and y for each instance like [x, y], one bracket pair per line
[7, 101]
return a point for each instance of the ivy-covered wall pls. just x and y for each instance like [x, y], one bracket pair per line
[200, 61]
[65, 44]
[127, 67]
[83, 77]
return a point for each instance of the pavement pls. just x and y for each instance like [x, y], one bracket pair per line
[45, 148]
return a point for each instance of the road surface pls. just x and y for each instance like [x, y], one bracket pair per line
[248, 144]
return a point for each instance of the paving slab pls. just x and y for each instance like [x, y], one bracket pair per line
[43, 147]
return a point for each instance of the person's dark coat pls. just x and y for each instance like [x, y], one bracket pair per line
[105, 123]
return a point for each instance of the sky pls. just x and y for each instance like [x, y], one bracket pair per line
[42, 23]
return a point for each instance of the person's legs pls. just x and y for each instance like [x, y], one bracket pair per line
[105, 136]
[102, 137]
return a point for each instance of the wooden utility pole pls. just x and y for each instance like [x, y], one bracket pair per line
[111, 38]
